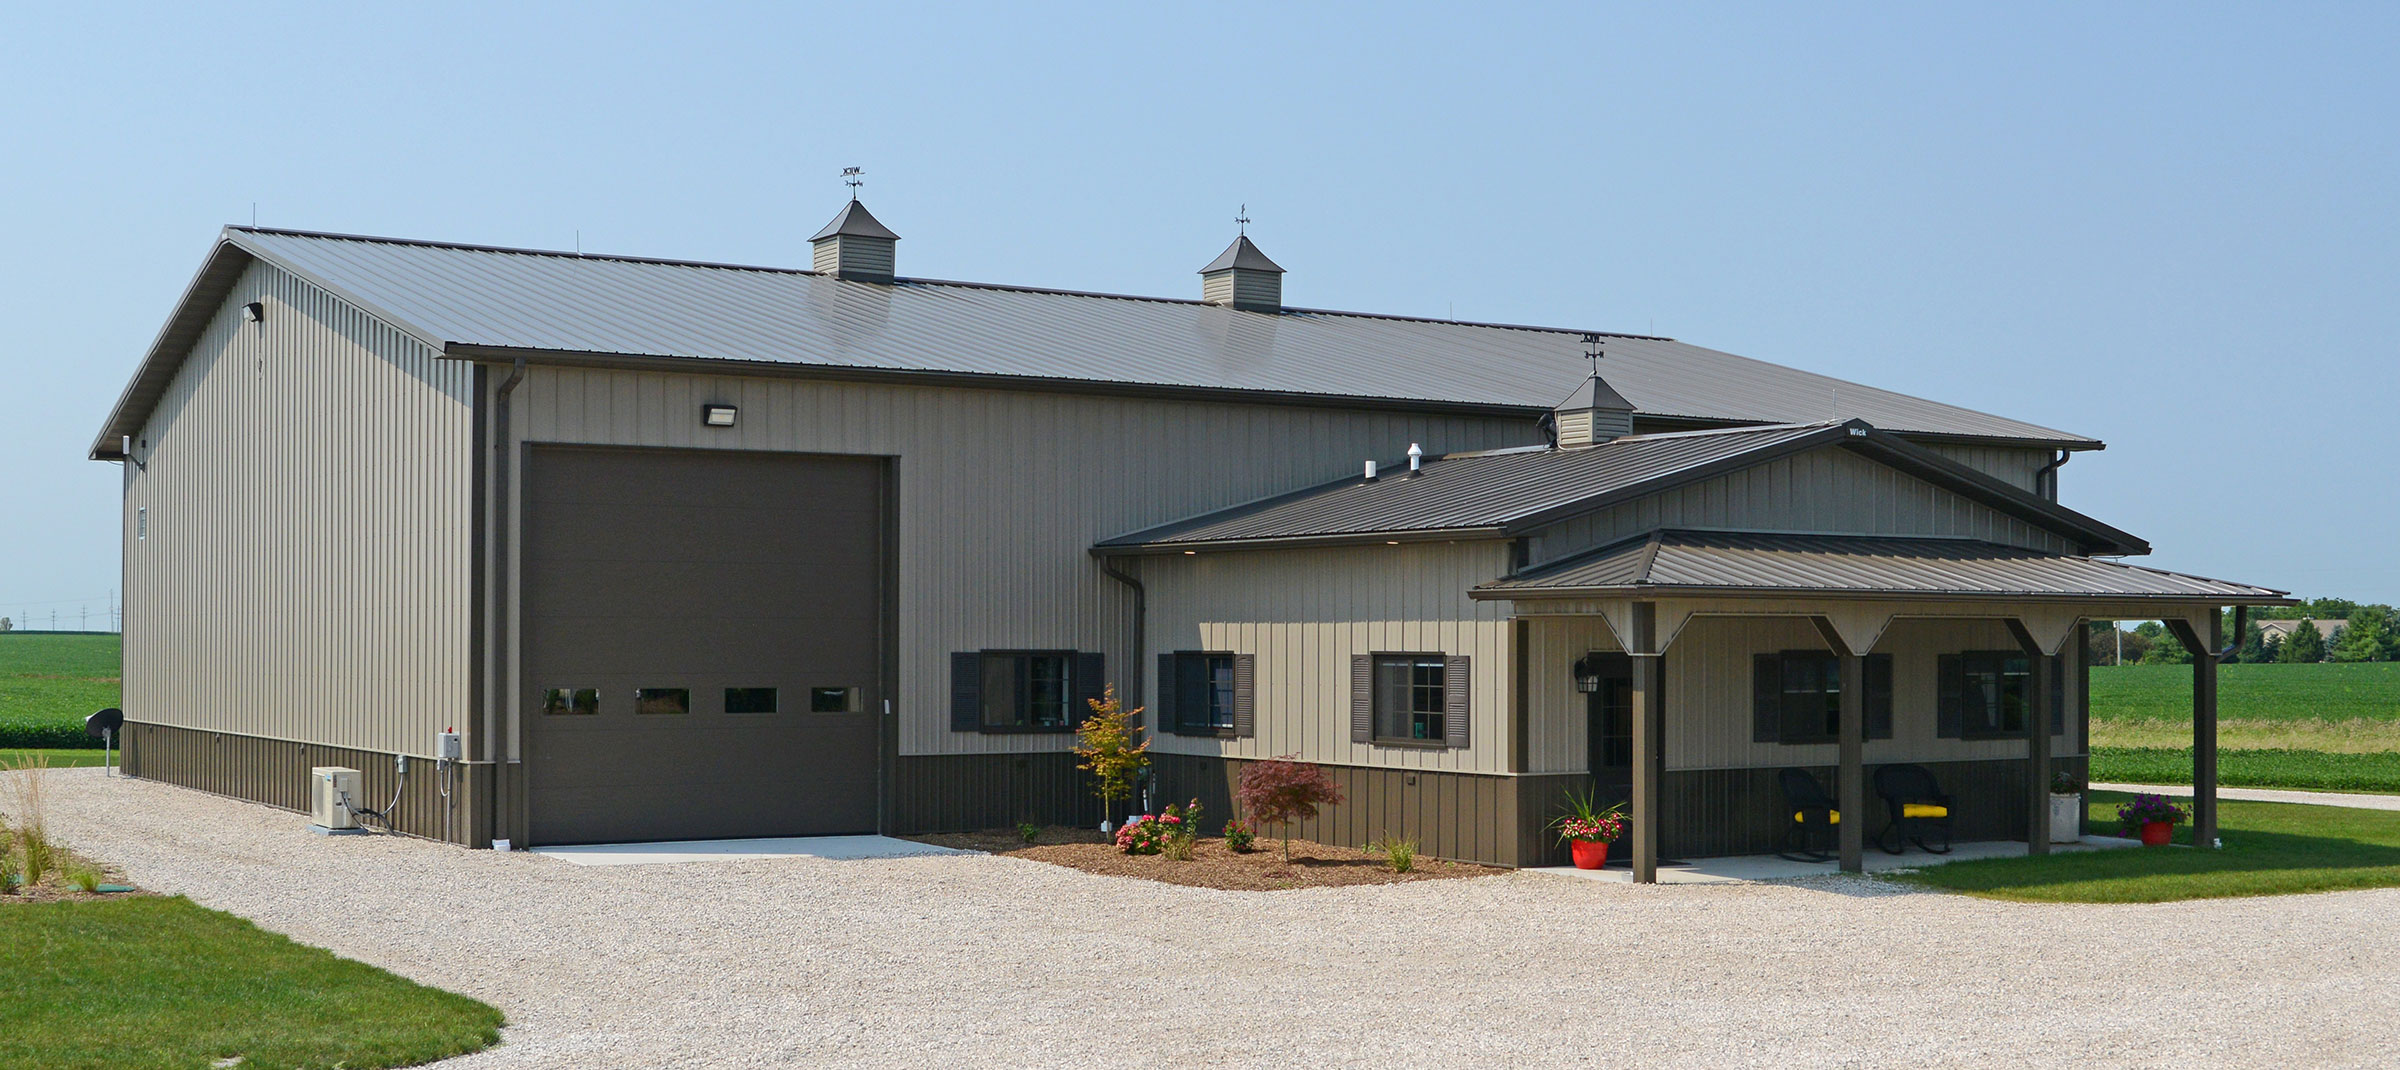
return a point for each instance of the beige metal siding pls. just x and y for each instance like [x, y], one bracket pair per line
[2008, 464]
[1708, 692]
[306, 575]
[1828, 490]
[1304, 612]
[1001, 493]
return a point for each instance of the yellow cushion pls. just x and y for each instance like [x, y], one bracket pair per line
[1923, 810]
[1834, 816]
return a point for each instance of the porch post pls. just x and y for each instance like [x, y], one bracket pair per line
[1649, 739]
[2040, 670]
[2203, 643]
[1850, 781]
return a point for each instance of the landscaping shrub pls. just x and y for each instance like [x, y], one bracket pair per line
[1028, 831]
[1143, 834]
[1399, 854]
[1241, 836]
[1280, 791]
[1183, 831]
[22, 793]
[1107, 743]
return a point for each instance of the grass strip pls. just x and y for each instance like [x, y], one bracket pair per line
[2302, 769]
[162, 982]
[2270, 849]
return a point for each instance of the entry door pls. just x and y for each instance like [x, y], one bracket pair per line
[1609, 713]
[704, 635]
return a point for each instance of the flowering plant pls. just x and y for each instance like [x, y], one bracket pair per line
[1587, 821]
[2145, 809]
[1144, 834]
[1240, 835]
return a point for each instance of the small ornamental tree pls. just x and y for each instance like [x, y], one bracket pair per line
[1280, 791]
[1109, 743]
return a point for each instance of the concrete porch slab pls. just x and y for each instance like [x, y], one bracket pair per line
[1741, 868]
[838, 848]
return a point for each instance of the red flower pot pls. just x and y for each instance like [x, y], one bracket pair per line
[2157, 833]
[1589, 854]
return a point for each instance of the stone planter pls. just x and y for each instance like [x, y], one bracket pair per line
[2066, 818]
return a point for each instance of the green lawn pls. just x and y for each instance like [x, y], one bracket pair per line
[2304, 769]
[2331, 692]
[2270, 849]
[49, 682]
[56, 759]
[150, 982]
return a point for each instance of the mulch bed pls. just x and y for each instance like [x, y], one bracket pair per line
[1213, 865]
[57, 885]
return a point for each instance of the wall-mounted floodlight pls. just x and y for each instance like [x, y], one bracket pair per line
[255, 311]
[718, 415]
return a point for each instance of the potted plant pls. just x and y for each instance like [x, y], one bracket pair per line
[1588, 829]
[2066, 807]
[2154, 816]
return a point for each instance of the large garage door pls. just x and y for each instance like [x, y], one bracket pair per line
[703, 643]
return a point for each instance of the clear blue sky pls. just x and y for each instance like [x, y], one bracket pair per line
[2171, 226]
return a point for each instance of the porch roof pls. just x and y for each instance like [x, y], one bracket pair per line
[1676, 561]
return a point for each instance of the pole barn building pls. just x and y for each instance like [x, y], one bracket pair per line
[558, 548]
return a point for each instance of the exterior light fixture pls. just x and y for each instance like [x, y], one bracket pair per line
[1188, 553]
[1587, 674]
[255, 311]
[718, 415]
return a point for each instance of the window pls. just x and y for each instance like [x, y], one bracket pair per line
[1026, 692]
[749, 700]
[662, 700]
[570, 702]
[1201, 692]
[833, 700]
[1410, 698]
[1797, 697]
[1993, 693]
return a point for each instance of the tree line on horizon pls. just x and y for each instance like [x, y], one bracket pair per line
[2335, 629]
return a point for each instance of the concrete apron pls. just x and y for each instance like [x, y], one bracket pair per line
[838, 848]
[1742, 868]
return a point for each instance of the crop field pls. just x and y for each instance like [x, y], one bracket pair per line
[50, 681]
[2322, 727]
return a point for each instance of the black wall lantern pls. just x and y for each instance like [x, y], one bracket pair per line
[718, 415]
[1587, 674]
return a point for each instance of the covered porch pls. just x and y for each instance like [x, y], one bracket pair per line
[1854, 653]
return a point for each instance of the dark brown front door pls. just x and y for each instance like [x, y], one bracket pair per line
[704, 634]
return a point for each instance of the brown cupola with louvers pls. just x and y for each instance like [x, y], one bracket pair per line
[855, 246]
[1244, 278]
[1595, 413]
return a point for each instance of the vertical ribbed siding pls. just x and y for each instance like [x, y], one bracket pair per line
[1306, 613]
[2009, 464]
[1001, 493]
[1557, 716]
[306, 575]
[1828, 490]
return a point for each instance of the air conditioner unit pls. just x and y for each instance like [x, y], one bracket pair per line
[328, 786]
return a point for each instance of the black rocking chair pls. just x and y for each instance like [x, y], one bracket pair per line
[1811, 809]
[1919, 811]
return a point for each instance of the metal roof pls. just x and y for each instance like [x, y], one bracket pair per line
[1718, 562]
[855, 222]
[1509, 492]
[487, 303]
[1244, 255]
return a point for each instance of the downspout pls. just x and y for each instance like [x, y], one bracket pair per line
[2045, 478]
[1141, 617]
[503, 693]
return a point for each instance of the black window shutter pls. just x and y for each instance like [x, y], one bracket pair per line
[1950, 716]
[2058, 695]
[1362, 698]
[1162, 708]
[1245, 695]
[1091, 684]
[1766, 698]
[1879, 696]
[1456, 685]
[966, 691]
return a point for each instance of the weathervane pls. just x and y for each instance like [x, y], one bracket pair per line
[1591, 351]
[1241, 221]
[851, 178]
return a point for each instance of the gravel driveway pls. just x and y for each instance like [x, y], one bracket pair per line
[978, 960]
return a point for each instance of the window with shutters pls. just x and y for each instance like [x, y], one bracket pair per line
[1027, 691]
[1798, 697]
[1411, 698]
[1994, 688]
[1204, 692]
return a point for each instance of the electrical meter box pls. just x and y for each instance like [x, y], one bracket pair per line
[328, 785]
